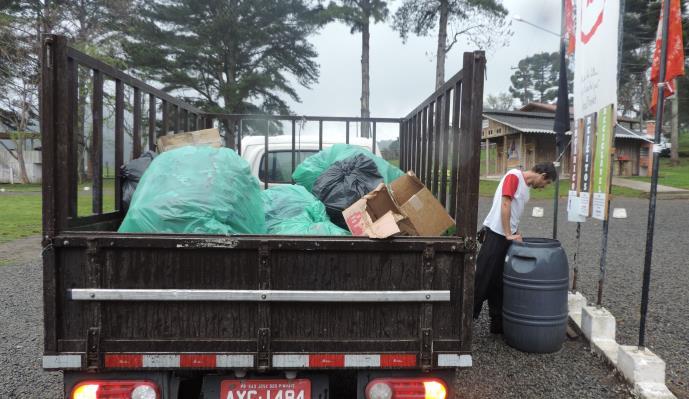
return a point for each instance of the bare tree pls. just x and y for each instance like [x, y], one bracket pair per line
[20, 105]
[21, 27]
[93, 27]
[500, 102]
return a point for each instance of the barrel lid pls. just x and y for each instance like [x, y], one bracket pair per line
[535, 242]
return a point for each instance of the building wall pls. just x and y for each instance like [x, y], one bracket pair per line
[627, 158]
[9, 167]
[494, 129]
[523, 151]
[519, 150]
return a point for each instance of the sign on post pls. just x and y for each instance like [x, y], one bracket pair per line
[603, 167]
[573, 201]
[587, 153]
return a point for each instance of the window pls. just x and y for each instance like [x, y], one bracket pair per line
[280, 165]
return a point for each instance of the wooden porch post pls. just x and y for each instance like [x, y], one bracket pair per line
[487, 157]
[522, 158]
[504, 153]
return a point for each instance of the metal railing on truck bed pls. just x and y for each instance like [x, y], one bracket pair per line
[167, 301]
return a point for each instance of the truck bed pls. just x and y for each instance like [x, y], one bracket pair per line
[160, 301]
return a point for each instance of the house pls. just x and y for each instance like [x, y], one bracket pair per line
[523, 138]
[9, 165]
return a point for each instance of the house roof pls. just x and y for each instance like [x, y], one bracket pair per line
[539, 122]
[540, 107]
[551, 108]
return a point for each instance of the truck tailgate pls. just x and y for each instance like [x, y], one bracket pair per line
[166, 301]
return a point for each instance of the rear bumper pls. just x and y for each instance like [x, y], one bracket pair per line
[247, 361]
[325, 384]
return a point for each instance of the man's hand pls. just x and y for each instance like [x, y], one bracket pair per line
[514, 237]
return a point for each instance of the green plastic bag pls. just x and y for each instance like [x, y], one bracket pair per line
[308, 171]
[291, 210]
[197, 190]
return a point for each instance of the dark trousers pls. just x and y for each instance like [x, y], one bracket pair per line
[488, 278]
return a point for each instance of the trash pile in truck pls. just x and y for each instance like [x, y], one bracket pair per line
[197, 187]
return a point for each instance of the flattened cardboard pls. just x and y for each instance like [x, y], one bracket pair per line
[206, 137]
[410, 209]
[377, 216]
[418, 204]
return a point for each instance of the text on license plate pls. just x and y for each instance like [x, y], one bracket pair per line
[265, 389]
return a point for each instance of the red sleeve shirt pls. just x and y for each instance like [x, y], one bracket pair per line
[509, 186]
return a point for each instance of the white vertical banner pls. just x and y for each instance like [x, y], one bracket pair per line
[595, 58]
[595, 88]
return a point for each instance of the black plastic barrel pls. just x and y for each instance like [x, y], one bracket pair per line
[534, 311]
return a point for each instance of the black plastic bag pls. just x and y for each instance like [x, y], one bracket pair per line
[344, 183]
[131, 173]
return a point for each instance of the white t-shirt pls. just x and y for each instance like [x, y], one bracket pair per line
[512, 185]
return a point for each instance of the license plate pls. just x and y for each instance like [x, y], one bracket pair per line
[265, 389]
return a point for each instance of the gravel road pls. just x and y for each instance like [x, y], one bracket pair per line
[21, 335]
[667, 332]
[499, 371]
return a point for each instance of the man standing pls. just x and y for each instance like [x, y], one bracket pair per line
[501, 228]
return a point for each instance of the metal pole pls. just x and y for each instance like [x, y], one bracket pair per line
[654, 179]
[604, 243]
[601, 274]
[575, 268]
[555, 200]
[558, 145]
[606, 222]
[536, 26]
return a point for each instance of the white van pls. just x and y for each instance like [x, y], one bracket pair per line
[280, 154]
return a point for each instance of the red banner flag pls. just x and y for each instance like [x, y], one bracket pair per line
[570, 27]
[674, 65]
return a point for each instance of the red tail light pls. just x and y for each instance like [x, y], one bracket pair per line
[115, 389]
[407, 388]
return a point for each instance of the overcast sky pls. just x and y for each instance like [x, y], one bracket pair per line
[402, 75]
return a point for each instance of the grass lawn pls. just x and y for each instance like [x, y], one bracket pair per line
[108, 186]
[487, 189]
[21, 212]
[15, 188]
[493, 154]
[674, 176]
[684, 144]
[21, 216]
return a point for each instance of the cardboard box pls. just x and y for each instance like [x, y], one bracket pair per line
[209, 137]
[410, 209]
[377, 216]
[425, 212]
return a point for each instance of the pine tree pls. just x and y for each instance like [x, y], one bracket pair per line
[641, 19]
[638, 40]
[358, 14]
[536, 78]
[226, 56]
